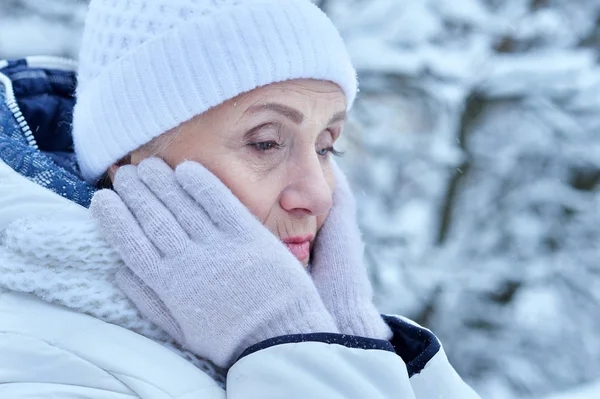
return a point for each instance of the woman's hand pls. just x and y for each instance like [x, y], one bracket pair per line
[339, 271]
[200, 265]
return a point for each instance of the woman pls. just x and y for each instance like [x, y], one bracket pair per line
[227, 261]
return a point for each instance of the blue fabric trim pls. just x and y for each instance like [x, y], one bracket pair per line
[415, 345]
[349, 341]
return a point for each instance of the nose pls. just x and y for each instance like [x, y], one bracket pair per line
[307, 192]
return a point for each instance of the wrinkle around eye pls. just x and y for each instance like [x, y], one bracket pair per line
[262, 162]
[251, 135]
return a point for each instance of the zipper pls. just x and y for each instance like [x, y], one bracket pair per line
[13, 106]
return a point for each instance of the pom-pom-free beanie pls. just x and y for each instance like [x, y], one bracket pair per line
[146, 66]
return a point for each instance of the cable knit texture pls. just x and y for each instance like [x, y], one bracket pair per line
[63, 259]
[147, 66]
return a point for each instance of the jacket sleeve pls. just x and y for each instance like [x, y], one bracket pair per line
[319, 366]
[431, 374]
[412, 365]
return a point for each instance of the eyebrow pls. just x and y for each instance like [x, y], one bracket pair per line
[293, 114]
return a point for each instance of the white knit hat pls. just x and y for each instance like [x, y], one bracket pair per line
[147, 66]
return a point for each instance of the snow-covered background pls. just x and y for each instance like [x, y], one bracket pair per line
[474, 148]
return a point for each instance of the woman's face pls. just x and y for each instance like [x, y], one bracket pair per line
[272, 147]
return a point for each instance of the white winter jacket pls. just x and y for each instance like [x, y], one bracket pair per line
[49, 347]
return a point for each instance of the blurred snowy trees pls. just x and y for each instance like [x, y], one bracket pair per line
[474, 149]
[40, 27]
[476, 141]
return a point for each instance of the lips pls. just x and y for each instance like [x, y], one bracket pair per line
[299, 246]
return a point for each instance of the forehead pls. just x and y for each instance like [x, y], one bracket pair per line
[301, 93]
[314, 99]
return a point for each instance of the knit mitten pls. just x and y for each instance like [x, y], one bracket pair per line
[201, 265]
[339, 271]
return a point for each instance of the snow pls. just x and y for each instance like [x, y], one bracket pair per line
[509, 283]
[473, 149]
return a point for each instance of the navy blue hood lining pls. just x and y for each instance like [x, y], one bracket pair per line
[46, 98]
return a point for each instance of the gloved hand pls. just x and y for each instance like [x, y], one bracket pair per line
[339, 271]
[200, 265]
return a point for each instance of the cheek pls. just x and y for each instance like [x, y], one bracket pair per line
[260, 196]
[330, 178]
[321, 221]
[256, 192]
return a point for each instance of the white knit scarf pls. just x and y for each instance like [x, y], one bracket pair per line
[64, 260]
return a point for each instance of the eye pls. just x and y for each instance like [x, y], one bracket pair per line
[323, 152]
[264, 146]
[326, 151]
